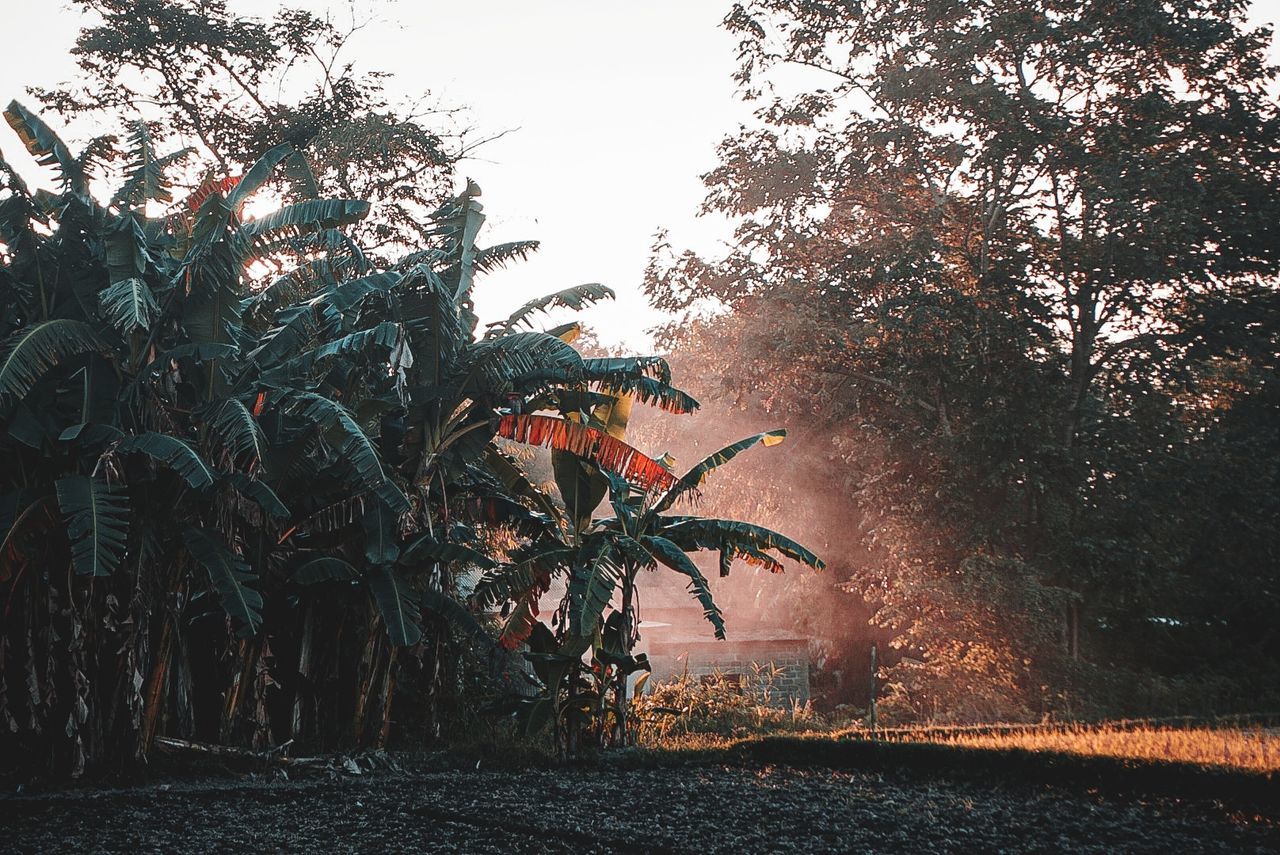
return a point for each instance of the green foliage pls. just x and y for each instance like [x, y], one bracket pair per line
[129, 305]
[396, 603]
[172, 452]
[215, 450]
[230, 577]
[983, 281]
[29, 354]
[97, 517]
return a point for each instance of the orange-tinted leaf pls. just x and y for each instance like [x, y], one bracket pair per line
[607, 452]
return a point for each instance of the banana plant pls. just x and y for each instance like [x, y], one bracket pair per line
[604, 556]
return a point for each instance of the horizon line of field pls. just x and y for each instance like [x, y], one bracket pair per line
[1188, 722]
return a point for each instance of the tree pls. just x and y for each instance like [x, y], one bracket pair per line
[232, 86]
[1000, 230]
[604, 556]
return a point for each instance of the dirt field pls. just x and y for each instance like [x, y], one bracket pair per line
[691, 809]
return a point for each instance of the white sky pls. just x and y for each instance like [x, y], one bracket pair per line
[616, 109]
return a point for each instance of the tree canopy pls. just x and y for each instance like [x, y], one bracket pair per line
[1018, 245]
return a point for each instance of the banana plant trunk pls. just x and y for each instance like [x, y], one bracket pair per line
[627, 639]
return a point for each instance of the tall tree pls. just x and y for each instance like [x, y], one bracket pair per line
[1000, 229]
[233, 86]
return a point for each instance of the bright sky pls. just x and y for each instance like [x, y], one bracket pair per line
[615, 109]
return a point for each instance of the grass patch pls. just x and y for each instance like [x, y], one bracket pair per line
[1253, 749]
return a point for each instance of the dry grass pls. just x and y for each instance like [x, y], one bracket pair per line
[1255, 749]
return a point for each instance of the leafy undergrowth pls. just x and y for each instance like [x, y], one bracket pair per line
[698, 712]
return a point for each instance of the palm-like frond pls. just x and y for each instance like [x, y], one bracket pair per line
[302, 217]
[434, 320]
[45, 146]
[653, 392]
[325, 569]
[238, 431]
[577, 298]
[97, 517]
[296, 327]
[385, 335]
[605, 451]
[674, 557]
[499, 256]
[302, 282]
[502, 360]
[129, 305]
[592, 581]
[693, 479]
[353, 444]
[617, 370]
[230, 577]
[30, 353]
[512, 581]
[396, 603]
[173, 453]
[146, 180]
[694, 533]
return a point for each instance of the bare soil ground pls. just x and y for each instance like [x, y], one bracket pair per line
[703, 809]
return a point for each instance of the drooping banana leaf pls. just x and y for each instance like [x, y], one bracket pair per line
[694, 533]
[97, 517]
[674, 557]
[129, 305]
[326, 569]
[455, 613]
[260, 493]
[352, 444]
[512, 477]
[45, 146]
[346, 296]
[230, 577]
[500, 361]
[577, 298]
[172, 452]
[396, 603]
[615, 369]
[237, 430]
[379, 523]
[597, 446]
[30, 353]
